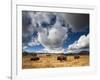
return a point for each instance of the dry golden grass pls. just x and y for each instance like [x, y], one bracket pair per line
[51, 62]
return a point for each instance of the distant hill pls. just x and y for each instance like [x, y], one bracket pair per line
[80, 53]
[84, 53]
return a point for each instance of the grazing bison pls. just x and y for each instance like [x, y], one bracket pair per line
[34, 58]
[76, 57]
[61, 58]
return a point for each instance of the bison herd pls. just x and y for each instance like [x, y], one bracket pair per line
[59, 58]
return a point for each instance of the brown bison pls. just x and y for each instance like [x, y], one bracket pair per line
[61, 58]
[76, 57]
[34, 58]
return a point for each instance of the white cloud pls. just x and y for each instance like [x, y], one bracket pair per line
[52, 36]
[54, 39]
[82, 42]
[57, 50]
[24, 47]
[33, 44]
[72, 51]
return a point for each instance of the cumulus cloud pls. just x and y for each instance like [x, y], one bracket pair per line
[81, 43]
[34, 42]
[24, 47]
[48, 29]
[54, 39]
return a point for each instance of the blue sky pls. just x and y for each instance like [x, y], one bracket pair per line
[73, 37]
[68, 27]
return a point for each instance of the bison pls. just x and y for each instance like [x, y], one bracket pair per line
[61, 58]
[34, 58]
[76, 57]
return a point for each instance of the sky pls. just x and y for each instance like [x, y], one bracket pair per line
[55, 32]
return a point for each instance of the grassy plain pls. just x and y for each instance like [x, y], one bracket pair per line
[50, 61]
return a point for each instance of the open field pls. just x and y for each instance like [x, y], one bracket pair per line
[50, 61]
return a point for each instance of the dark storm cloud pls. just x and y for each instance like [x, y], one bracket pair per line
[46, 22]
[78, 21]
[29, 29]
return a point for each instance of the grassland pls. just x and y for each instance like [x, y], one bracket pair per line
[50, 61]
